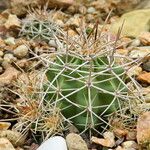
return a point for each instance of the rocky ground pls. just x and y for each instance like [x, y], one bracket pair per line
[20, 67]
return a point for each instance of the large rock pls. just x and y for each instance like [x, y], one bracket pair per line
[75, 142]
[135, 22]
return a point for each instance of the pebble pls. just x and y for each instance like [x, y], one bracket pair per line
[134, 71]
[16, 138]
[10, 41]
[9, 58]
[1, 60]
[143, 128]
[131, 136]
[130, 145]
[7, 77]
[145, 38]
[5, 144]
[1, 69]
[107, 141]
[82, 10]
[146, 66]
[54, 143]
[91, 10]
[52, 43]
[140, 52]
[74, 21]
[4, 125]
[144, 77]
[75, 142]
[135, 42]
[21, 51]
[12, 21]
[1, 53]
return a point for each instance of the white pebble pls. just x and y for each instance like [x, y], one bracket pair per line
[21, 51]
[1, 53]
[91, 10]
[9, 58]
[135, 42]
[10, 41]
[54, 143]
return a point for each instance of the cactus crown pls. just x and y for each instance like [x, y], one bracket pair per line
[85, 81]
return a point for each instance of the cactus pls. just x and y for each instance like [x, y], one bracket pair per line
[40, 25]
[85, 81]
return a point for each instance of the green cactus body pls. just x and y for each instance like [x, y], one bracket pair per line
[85, 89]
[40, 25]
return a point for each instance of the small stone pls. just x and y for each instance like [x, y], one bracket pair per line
[145, 38]
[8, 76]
[135, 42]
[10, 41]
[91, 10]
[122, 52]
[4, 125]
[52, 43]
[120, 148]
[5, 64]
[14, 137]
[1, 60]
[143, 129]
[130, 145]
[82, 10]
[89, 18]
[144, 77]
[74, 21]
[1, 69]
[21, 51]
[12, 21]
[9, 58]
[108, 140]
[134, 71]
[5, 144]
[1, 53]
[54, 143]
[146, 66]
[75, 142]
[131, 136]
[71, 9]
[23, 63]
[140, 52]
[120, 132]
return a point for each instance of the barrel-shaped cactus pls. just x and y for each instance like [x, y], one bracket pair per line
[86, 87]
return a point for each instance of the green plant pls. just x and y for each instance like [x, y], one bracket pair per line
[40, 25]
[85, 81]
